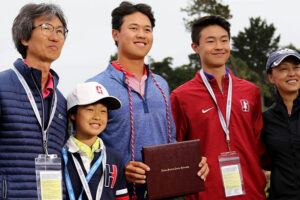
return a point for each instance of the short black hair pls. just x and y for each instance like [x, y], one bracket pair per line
[206, 21]
[72, 111]
[127, 8]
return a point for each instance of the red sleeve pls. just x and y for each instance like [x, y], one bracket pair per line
[179, 118]
[123, 198]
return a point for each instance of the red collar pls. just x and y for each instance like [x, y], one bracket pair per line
[117, 67]
[50, 85]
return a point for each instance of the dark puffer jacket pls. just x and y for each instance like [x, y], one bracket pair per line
[20, 132]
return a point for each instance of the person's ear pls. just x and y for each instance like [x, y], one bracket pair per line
[271, 78]
[195, 47]
[115, 35]
[73, 117]
[24, 42]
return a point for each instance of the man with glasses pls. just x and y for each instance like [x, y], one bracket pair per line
[33, 117]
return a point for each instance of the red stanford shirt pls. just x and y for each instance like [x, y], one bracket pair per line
[196, 117]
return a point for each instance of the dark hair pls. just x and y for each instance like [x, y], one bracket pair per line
[24, 22]
[203, 22]
[127, 8]
[72, 111]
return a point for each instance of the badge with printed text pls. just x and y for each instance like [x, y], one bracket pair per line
[50, 185]
[48, 177]
[231, 174]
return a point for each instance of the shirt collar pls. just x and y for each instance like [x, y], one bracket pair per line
[210, 76]
[117, 67]
[74, 145]
[85, 148]
[49, 86]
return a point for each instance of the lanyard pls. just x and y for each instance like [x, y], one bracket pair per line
[84, 180]
[225, 125]
[35, 108]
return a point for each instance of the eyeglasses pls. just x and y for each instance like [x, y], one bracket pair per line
[47, 30]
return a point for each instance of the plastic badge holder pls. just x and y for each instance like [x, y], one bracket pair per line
[231, 174]
[48, 177]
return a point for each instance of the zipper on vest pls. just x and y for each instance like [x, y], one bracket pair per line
[43, 111]
[4, 189]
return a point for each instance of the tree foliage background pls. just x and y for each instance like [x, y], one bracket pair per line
[253, 45]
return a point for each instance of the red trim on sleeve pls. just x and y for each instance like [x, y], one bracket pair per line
[123, 198]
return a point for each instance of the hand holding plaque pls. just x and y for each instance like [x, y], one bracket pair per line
[173, 169]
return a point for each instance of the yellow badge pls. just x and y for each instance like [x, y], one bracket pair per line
[51, 185]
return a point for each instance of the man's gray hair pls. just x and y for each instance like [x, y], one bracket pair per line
[24, 22]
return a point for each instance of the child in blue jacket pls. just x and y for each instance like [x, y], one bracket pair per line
[92, 171]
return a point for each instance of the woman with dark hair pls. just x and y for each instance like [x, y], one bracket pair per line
[281, 131]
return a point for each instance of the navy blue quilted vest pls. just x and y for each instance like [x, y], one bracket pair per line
[20, 133]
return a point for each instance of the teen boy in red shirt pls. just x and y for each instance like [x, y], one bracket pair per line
[224, 112]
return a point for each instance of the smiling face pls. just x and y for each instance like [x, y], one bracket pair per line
[213, 48]
[135, 37]
[286, 76]
[42, 48]
[90, 121]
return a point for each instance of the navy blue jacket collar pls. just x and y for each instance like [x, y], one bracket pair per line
[28, 72]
